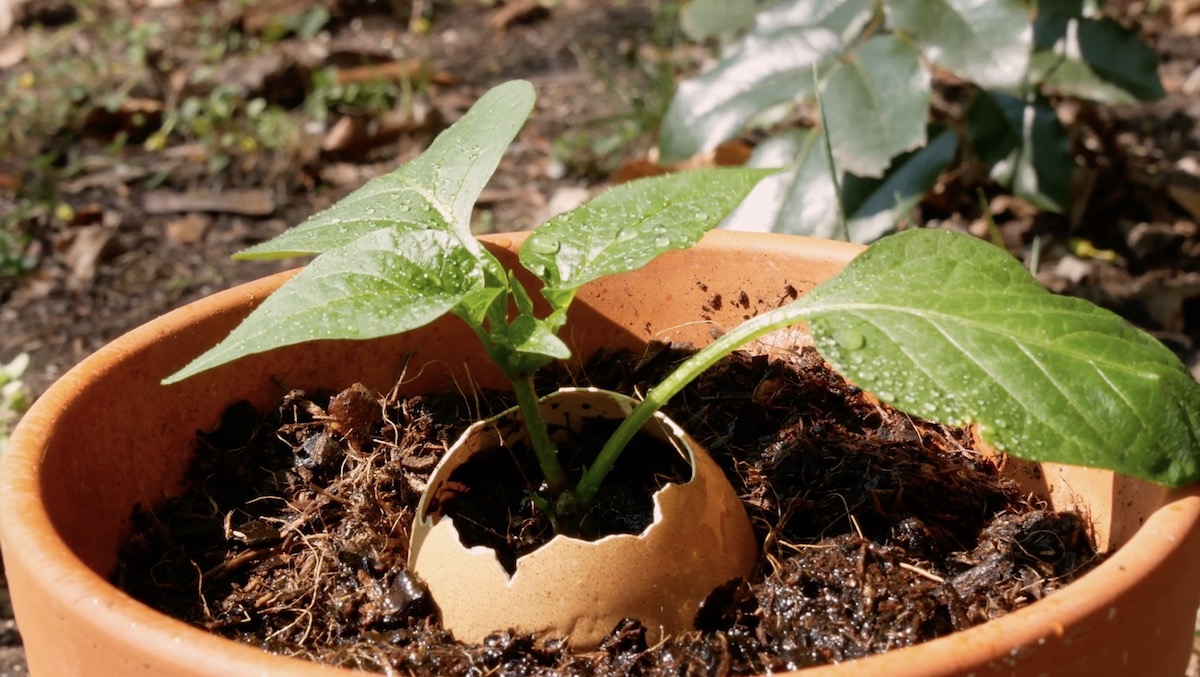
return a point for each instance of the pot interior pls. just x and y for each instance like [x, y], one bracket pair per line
[109, 437]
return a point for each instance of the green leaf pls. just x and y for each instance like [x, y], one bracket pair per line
[950, 328]
[525, 344]
[625, 227]
[384, 283]
[802, 200]
[530, 336]
[763, 70]
[808, 202]
[1068, 7]
[701, 19]
[1094, 59]
[876, 102]
[874, 207]
[1074, 78]
[770, 66]
[474, 307]
[1025, 146]
[435, 191]
[985, 41]
[847, 18]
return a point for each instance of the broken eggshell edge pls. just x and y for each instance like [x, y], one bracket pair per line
[701, 538]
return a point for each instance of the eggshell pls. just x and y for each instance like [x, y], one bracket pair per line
[578, 589]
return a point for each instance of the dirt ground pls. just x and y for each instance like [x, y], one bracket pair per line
[115, 223]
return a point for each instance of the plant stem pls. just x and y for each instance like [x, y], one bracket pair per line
[843, 228]
[539, 436]
[684, 374]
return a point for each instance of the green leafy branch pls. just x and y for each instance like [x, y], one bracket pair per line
[872, 60]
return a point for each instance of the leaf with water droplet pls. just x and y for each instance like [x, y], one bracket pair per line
[627, 226]
[543, 243]
[435, 191]
[1047, 377]
[381, 284]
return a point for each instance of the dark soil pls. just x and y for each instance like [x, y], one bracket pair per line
[493, 508]
[879, 531]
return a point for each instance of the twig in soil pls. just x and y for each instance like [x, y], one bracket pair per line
[200, 591]
[850, 516]
[477, 414]
[921, 572]
[236, 562]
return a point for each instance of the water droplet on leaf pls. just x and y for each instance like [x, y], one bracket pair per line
[849, 339]
[545, 245]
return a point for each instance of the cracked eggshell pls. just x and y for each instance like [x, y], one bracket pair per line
[701, 538]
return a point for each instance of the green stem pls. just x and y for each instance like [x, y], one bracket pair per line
[843, 228]
[684, 374]
[539, 436]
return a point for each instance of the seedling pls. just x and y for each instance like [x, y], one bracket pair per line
[936, 323]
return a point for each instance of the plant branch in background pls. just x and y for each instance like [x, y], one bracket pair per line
[873, 60]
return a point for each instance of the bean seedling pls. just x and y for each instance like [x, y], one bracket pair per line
[939, 324]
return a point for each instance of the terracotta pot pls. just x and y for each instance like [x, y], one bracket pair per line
[107, 436]
[700, 538]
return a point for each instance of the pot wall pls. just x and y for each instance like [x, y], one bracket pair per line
[107, 437]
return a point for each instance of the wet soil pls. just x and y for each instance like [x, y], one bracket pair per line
[492, 501]
[878, 531]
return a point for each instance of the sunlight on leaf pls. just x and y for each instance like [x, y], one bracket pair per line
[770, 66]
[874, 206]
[702, 19]
[801, 201]
[761, 71]
[876, 102]
[987, 42]
[435, 191]
[384, 283]
[948, 327]
[625, 227]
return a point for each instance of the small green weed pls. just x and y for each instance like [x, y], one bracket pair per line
[15, 397]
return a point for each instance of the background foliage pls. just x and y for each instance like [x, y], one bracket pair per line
[871, 64]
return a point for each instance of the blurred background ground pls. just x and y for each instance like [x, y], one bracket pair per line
[143, 141]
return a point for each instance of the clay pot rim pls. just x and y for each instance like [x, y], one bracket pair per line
[30, 536]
